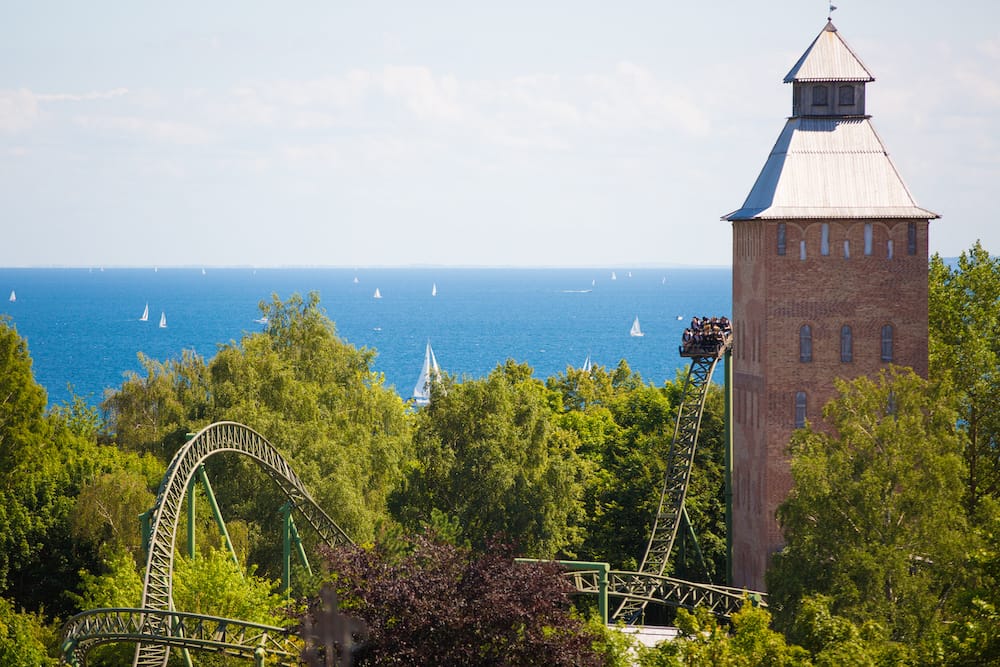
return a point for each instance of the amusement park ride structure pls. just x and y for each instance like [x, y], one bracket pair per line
[157, 627]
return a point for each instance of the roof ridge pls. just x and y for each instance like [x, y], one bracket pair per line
[829, 58]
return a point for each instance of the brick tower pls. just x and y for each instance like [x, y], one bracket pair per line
[829, 280]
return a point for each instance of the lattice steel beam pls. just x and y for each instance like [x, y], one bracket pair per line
[680, 459]
[213, 439]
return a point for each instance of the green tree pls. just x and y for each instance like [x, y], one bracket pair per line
[45, 461]
[153, 411]
[874, 519]
[703, 642]
[318, 400]
[312, 395]
[964, 303]
[489, 454]
[24, 638]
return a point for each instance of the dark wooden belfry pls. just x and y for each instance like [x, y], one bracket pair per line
[829, 280]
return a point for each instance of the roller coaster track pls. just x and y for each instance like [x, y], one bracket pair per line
[157, 627]
[643, 588]
[638, 591]
[175, 629]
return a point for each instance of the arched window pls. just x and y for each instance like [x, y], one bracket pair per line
[846, 344]
[802, 249]
[824, 241]
[888, 248]
[805, 343]
[868, 239]
[887, 342]
[847, 249]
[800, 409]
[781, 238]
[911, 238]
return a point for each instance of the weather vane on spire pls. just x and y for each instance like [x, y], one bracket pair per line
[829, 16]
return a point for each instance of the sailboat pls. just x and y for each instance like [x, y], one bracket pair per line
[377, 295]
[613, 276]
[429, 372]
[586, 365]
[434, 289]
[145, 314]
[163, 320]
[13, 297]
[355, 280]
[636, 331]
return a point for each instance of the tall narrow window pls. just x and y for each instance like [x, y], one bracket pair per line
[824, 241]
[889, 248]
[781, 238]
[868, 239]
[805, 343]
[911, 238]
[846, 344]
[846, 96]
[887, 342]
[800, 409]
[820, 96]
[847, 249]
[802, 249]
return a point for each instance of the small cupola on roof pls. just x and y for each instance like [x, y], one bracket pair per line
[828, 162]
[829, 79]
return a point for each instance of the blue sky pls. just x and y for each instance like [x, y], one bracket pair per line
[455, 133]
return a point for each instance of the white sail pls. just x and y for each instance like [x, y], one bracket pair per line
[429, 372]
[434, 289]
[145, 314]
[13, 297]
[377, 295]
[636, 331]
[163, 320]
[613, 276]
[586, 365]
[355, 280]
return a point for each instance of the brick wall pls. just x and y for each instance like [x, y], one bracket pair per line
[773, 297]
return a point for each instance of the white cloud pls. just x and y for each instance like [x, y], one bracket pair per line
[165, 131]
[18, 110]
[82, 97]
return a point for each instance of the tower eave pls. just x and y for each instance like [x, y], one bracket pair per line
[829, 213]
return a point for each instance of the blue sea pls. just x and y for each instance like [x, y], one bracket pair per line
[84, 331]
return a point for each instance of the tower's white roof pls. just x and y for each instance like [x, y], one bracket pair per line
[829, 58]
[829, 167]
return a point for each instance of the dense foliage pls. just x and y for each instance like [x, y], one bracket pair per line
[439, 604]
[875, 519]
[892, 527]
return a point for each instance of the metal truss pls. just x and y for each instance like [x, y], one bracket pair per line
[166, 512]
[680, 459]
[177, 630]
[723, 601]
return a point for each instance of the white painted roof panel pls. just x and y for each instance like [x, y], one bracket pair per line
[829, 168]
[829, 58]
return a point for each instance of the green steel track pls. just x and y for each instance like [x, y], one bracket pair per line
[157, 627]
[648, 584]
